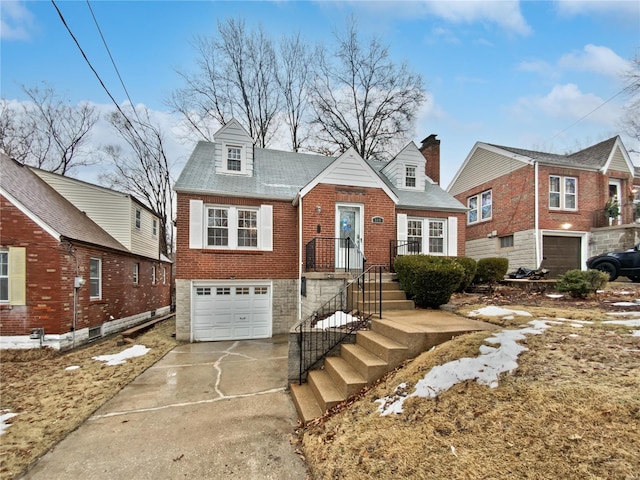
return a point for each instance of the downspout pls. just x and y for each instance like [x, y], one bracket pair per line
[300, 259]
[536, 215]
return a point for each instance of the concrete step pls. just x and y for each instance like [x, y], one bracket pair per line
[368, 365]
[305, 402]
[412, 338]
[326, 393]
[392, 352]
[346, 379]
[386, 295]
[388, 305]
[383, 285]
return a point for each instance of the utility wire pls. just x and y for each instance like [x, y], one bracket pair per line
[95, 20]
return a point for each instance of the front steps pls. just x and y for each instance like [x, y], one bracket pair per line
[390, 293]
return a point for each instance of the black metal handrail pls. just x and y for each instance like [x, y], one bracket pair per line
[328, 254]
[402, 247]
[348, 311]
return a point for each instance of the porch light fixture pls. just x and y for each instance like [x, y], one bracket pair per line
[318, 208]
[566, 226]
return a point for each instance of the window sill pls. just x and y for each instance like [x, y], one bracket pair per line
[230, 251]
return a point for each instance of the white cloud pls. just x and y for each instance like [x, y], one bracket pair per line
[506, 14]
[16, 21]
[568, 102]
[619, 8]
[594, 58]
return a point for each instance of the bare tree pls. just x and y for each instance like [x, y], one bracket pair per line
[235, 77]
[142, 169]
[361, 99]
[294, 77]
[47, 132]
[631, 120]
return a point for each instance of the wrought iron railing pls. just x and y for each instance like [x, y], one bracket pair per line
[402, 247]
[348, 311]
[327, 254]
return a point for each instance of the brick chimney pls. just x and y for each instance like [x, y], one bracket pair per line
[430, 149]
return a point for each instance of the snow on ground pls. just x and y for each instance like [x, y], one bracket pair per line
[119, 358]
[3, 417]
[484, 369]
[625, 304]
[72, 367]
[338, 319]
[554, 295]
[626, 323]
[493, 311]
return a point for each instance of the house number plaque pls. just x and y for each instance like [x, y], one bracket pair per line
[377, 220]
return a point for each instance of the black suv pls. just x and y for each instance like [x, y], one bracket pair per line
[626, 263]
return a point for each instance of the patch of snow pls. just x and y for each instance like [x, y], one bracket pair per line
[625, 292]
[484, 369]
[574, 335]
[338, 319]
[120, 358]
[624, 314]
[72, 367]
[493, 311]
[626, 323]
[577, 325]
[625, 304]
[3, 417]
[554, 295]
[635, 333]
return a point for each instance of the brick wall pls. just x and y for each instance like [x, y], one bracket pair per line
[376, 203]
[207, 263]
[50, 273]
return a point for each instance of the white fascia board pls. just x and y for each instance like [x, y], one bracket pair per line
[336, 164]
[32, 216]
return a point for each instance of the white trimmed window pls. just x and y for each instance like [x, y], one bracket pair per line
[138, 218]
[4, 276]
[232, 227]
[136, 273]
[154, 228]
[234, 158]
[563, 192]
[153, 275]
[480, 207]
[428, 235]
[95, 278]
[410, 176]
[164, 275]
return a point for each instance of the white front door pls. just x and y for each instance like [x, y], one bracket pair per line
[615, 191]
[349, 235]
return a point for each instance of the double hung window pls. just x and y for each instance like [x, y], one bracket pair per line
[232, 227]
[480, 207]
[563, 192]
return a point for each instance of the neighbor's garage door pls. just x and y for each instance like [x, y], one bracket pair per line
[231, 312]
[560, 254]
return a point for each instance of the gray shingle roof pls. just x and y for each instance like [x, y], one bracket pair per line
[281, 175]
[593, 157]
[50, 207]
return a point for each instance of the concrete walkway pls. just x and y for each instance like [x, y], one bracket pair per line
[214, 410]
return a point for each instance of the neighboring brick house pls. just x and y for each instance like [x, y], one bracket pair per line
[542, 209]
[64, 280]
[257, 227]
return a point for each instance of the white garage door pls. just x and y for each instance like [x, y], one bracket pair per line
[231, 312]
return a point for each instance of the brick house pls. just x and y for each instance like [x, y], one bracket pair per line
[543, 209]
[263, 235]
[64, 279]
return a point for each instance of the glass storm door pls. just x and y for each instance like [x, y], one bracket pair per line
[349, 238]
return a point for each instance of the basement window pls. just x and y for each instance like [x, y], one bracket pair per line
[95, 332]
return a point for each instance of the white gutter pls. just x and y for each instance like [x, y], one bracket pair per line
[536, 215]
[300, 259]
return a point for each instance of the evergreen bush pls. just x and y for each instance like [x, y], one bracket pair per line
[470, 268]
[491, 270]
[580, 283]
[429, 280]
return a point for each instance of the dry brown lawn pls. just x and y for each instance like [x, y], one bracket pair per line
[571, 410]
[51, 402]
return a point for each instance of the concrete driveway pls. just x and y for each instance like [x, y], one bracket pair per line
[205, 411]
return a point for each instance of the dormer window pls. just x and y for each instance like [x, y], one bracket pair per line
[234, 159]
[410, 176]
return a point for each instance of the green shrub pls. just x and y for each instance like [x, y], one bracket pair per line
[491, 270]
[580, 283]
[428, 280]
[470, 268]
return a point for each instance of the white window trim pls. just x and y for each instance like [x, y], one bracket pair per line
[136, 273]
[99, 296]
[426, 221]
[154, 227]
[138, 218]
[232, 227]
[8, 277]
[153, 274]
[243, 159]
[563, 193]
[405, 176]
[478, 197]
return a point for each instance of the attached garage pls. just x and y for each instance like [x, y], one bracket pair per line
[231, 311]
[560, 254]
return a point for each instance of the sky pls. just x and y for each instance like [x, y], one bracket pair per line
[540, 75]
